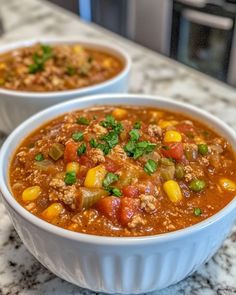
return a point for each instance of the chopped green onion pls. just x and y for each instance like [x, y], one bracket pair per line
[82, 121]
[197, 185]
[39, 157]
[77, 136]
[203, 149]
[150, 167]
[81, 149]
[70, 178]
[197, 211]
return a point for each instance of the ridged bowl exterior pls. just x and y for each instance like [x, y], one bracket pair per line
[17, 106]
[14, 110]
[117, 265]
[126, 269]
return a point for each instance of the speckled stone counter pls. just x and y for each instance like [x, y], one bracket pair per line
[20, 273]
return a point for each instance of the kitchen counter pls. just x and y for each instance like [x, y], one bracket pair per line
[152, 73]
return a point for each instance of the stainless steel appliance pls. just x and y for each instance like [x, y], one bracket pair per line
[204, 37]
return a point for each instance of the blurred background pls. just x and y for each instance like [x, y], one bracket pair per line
[197, 33]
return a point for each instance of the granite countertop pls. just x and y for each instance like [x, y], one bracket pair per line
[152, 73]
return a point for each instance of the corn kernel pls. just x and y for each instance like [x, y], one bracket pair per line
[172, 136]
[78, 49]
[227, 184]
[2, 66]
[52, 211]
[155, 115]
[173, 191]
[72, 167]
[31, 193]
[165, 124]
[199, 140]
[119, 113]
[107, 63]
[95, 176]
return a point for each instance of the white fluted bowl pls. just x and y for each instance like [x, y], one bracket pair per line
[117, 265]
[16, 106]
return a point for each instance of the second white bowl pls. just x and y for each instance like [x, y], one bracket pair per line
[16, 106]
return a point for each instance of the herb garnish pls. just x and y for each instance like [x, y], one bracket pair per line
[70, 178]
[93, 143]
[138, 149]
[134, 135]
[109, 179]
[82, 121]
[81, 149]
[77, 136]
[165, 147]
[40, 60]
[137, 125]
[150, 167]
[110, 122]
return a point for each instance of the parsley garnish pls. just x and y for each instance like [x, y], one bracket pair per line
[134, 135]
[82, 121]
[137, 125]
[39, 157]
[110, 122]
[137, 149]
[81, 149]
[109, 179]
[93, 143]
[115, 192]
[40, 60]
[111, 139]
[70, 178]
[77, 136]
[104, 147]
[150, 167]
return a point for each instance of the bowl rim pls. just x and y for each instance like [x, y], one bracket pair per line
[107, 240]
[93, 43]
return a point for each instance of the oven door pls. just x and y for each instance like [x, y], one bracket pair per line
[204, 42]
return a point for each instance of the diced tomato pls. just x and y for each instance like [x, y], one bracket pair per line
[109, 206]
[86, 161]
[130, 191]
[173, 150]
[111, 166]
[184, 128]
[146, 187]
[70, 153]
[128, 207]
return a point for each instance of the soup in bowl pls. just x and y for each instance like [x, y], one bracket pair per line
[127, 184]
[37, 74]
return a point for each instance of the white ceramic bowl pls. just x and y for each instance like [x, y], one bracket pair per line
[16, 106]
[108, 264]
